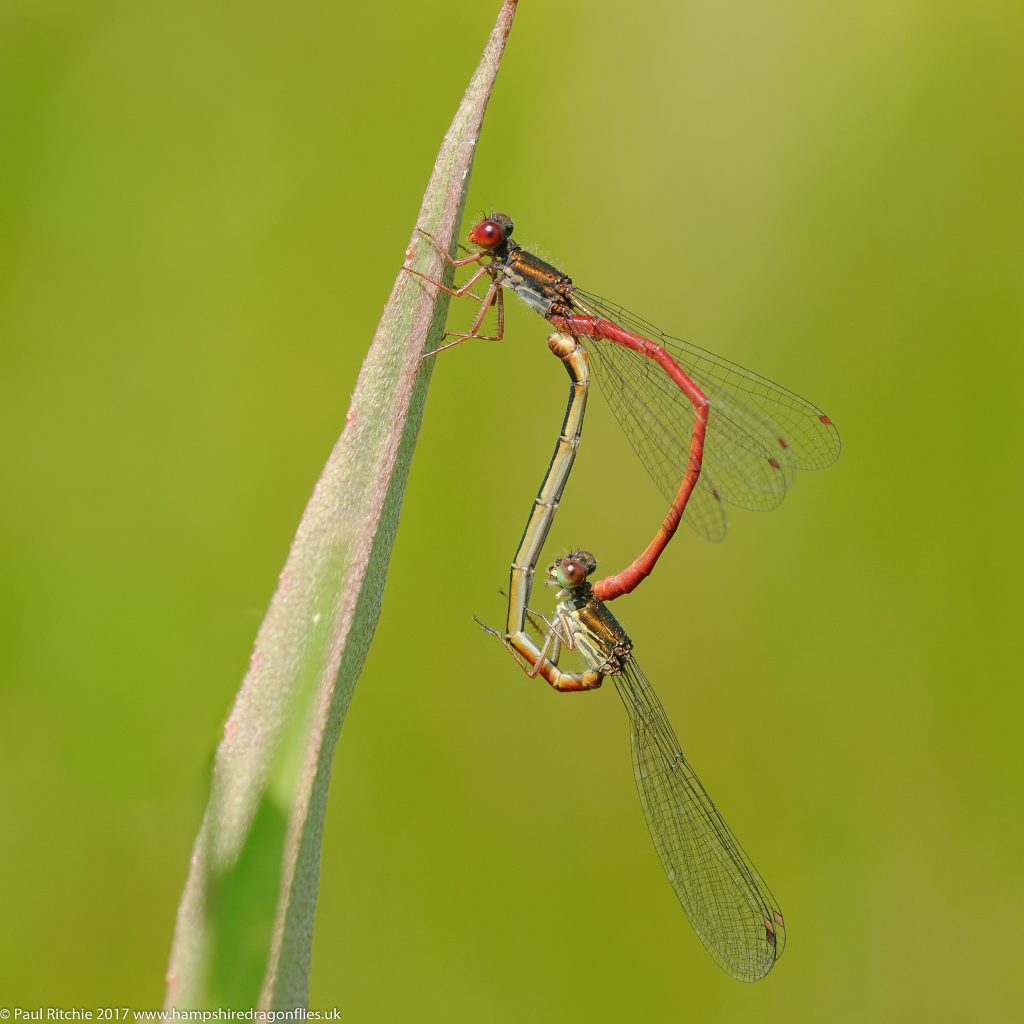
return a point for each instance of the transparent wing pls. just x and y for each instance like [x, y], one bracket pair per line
[758, 433]
[727, 902]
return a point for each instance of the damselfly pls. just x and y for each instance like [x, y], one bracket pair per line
[707, 430]
[727, 902]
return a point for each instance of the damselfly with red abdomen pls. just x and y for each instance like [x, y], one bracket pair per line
[708, 431]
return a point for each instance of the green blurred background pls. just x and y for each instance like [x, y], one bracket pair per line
[202, 209]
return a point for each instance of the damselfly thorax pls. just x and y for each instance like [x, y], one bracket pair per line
[595, 632]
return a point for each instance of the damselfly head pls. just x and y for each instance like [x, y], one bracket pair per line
[492, 231]
[572, 570]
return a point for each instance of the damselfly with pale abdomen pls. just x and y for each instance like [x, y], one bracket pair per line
[727, 902]
[545, 505]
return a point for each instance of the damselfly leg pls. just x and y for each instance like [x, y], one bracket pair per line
[493, 297]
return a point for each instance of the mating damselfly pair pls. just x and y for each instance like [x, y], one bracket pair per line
[710, 433]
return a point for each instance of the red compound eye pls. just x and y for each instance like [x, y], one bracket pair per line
[487, 234]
